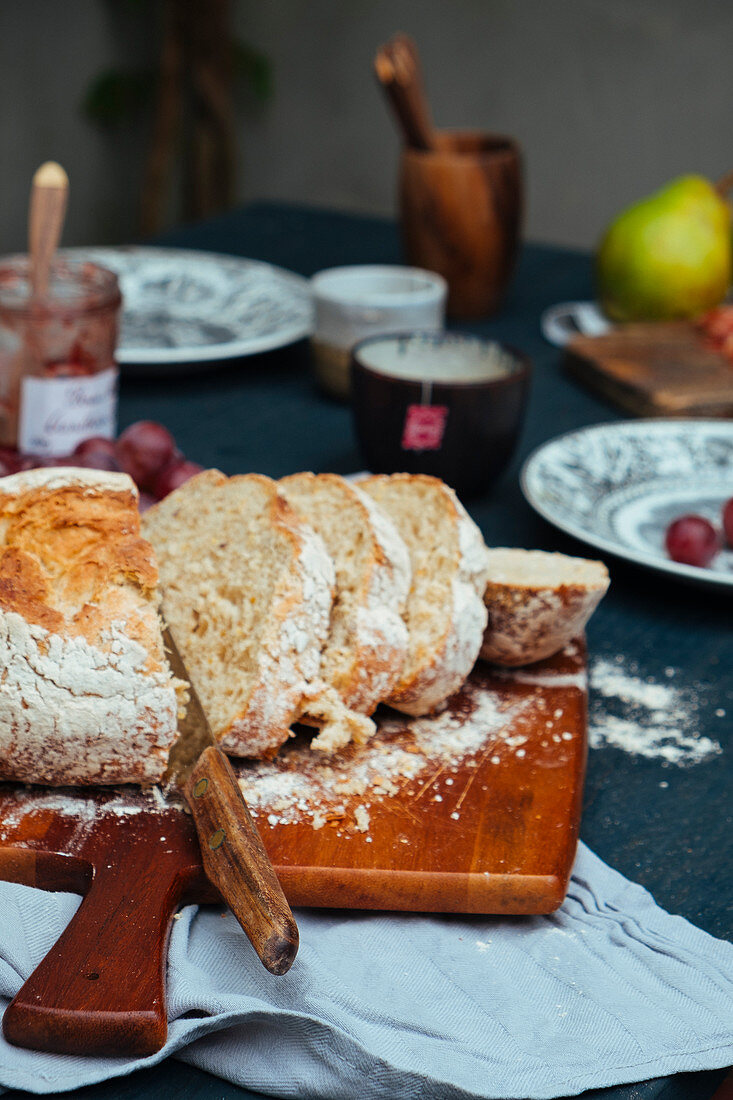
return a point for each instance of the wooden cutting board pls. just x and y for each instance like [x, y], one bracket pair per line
[655, 369]
[476, 810]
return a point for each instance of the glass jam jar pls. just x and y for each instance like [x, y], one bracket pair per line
[58, 374]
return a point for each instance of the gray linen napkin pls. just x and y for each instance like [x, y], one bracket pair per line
[609, 990]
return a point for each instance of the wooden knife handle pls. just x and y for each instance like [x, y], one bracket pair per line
[236, 863]
[100, 990]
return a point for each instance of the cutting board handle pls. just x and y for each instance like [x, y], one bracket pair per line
[100, 990]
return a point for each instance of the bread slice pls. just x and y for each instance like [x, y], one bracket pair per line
[537, 603]
[247, 592]
[445, 612]
[86, 695]
[367, 642]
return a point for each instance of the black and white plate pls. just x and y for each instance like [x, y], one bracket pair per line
[618, 486]
[183, 306]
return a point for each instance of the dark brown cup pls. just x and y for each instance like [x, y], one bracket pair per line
[463, 431]
[461, 210]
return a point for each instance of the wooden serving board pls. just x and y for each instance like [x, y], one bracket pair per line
[476, 810]
[662, 368]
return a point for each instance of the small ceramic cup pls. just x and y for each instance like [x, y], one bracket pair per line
[461, 213]
[445, 404]
[355, 302]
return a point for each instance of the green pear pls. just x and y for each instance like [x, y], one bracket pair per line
[668, 256]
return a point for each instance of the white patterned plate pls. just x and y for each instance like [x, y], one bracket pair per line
[183, 306]
[618, 486]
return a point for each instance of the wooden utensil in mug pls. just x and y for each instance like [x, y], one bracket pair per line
[461, 211]
[398, 70]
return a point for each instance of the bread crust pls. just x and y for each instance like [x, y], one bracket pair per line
[378, 641]
[86, 695]
[531, 616]
[441, 671]
[292, 643]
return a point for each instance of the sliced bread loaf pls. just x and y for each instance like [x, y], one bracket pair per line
[537, 603]
[86, 695]
[445, 613]
[247, 591]
[367, 641]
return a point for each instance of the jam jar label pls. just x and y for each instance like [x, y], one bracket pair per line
[58, 413]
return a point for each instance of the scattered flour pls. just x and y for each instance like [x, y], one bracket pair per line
[645, 718]
[434, 759]
[417, 752]
[81, 810]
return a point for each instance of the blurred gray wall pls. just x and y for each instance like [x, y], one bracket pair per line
[609, 99]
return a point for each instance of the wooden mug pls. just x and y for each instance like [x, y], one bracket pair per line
[461, 211]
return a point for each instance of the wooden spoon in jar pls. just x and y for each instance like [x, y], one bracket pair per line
[397, 67]
[47, 209]
[49, 192]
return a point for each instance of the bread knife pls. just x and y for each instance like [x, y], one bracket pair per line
[232, 852]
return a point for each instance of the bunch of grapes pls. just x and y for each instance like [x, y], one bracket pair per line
[146, 451]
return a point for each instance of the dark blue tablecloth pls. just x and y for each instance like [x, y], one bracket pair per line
[667, 828]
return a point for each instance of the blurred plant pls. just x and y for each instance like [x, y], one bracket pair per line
[117, 95]
[190, 94]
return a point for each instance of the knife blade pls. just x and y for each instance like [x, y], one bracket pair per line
[232, 852]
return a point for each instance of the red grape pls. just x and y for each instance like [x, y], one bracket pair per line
[143, 450]
[95, 453]
[728, 522]
[95, 443]
[692, 540]
[173, 475]
[98, 461]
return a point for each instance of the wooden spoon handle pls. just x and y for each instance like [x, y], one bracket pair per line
[236, 863]
[49, 192]
[397, 66]
[409, 67]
